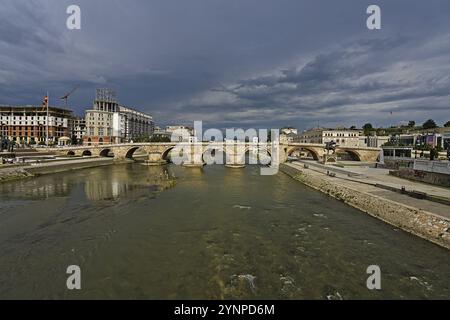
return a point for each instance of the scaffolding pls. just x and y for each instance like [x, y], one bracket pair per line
[105, 100]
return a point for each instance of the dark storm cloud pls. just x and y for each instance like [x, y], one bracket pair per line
[357, 82]
[234, 63]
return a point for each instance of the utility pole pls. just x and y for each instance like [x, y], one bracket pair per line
[48, 120]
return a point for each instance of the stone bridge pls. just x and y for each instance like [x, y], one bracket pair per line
[196, 154]
[318, 151]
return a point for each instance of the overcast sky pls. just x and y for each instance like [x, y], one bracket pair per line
[234, 63]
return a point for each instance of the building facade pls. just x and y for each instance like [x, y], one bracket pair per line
[181, 133]
[343, 137]
[439, 139]
[108, 122]
[135, 124]
[78, 130]
[289, 137]
[28, 124]
[373, 141]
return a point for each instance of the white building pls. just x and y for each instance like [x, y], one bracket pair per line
[343, 137]
[108, 122]
[181, 133]
[135, 124]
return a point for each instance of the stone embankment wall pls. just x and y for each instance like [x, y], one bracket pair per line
[438, 179]
[421, 223]
[397, 164]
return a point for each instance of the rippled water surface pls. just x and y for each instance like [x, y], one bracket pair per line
[218, 233]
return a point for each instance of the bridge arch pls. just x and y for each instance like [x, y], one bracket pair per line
[354, 155]
[71, 153]
[166, 154]
[87, 153]
[130, 152]
[263, 155]
[312, 151]
[105, 152]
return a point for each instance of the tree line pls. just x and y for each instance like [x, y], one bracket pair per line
[429, 124]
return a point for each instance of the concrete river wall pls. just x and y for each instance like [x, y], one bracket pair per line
[418, 222]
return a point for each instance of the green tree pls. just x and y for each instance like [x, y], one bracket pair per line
[159, 138]
[367, 128]
[143, 139]
[447, 124]
[429, 124]
[434, 154]
[411, 124]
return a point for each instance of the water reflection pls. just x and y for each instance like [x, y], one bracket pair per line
[27, 189]
[219, 233]
[106, 183]
[115, 184]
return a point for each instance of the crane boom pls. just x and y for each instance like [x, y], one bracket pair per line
[67, 95]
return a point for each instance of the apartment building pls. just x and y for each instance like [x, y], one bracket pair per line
[109, 122]
[28, 124]
[78, 130]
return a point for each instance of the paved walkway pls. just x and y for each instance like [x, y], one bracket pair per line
[382, 176]
[371, 176]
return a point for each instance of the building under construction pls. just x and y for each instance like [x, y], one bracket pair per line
[28, 124]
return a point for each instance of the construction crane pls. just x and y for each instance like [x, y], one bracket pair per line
[66, 96]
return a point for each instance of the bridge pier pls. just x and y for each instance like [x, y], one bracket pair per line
[155, 159]
[235, 166]
[235, 158]
[194, 155]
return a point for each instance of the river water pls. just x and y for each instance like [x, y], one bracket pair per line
[218, 233]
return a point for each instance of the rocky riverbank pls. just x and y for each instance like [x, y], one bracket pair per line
[424, 224]
[10, 173]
